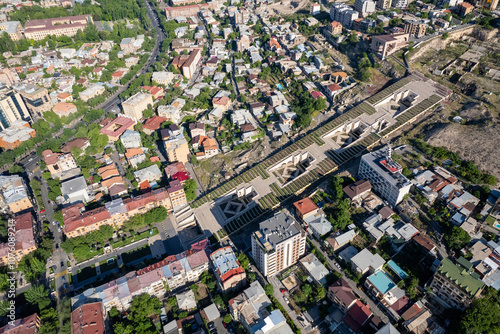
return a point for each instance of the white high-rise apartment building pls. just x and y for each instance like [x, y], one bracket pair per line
[384, 175]
[343, 13]
[278, 244]
[364, 7]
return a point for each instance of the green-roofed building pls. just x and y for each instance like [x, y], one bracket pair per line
[455, 285]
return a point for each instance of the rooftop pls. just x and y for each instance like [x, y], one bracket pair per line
[305, 206]
[460, 276]
[381, 281]
[277, 229]
[225, 263]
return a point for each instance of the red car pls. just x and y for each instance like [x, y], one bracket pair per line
[282, 290]
[42, 211]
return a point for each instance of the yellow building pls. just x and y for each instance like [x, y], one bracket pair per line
[14, 193]
[136, 104]
[24, 240]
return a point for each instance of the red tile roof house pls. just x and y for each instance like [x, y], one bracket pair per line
[28, 325]
[117, 127]
[357, 316]
[315, 94]
[152, 124]
[222, 102]
[88, 319]
[357, 189]
[305, 208]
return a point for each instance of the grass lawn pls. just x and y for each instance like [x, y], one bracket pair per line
[136, 254]
[86, 273]
[91, 255]
[134, 238]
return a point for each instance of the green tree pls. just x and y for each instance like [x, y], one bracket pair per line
[481, 317]
[4, 307]
[144, 305]
[269, 289]
[190, 189]
[243, 260]
[227, 319]
[49, 320]
[38, 295]
[114, 312]
[106, 231]
[457, 238]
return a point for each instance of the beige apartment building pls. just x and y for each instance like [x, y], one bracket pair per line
[228, 270]
[14, 194]
[13, 28]
[136, 104]
[62, 26]
[415, 28]
[177, 151]
[114, 213]
[92, 92]
[37, 99]
[278, 244]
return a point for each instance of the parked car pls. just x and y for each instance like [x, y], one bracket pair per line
[282, 290]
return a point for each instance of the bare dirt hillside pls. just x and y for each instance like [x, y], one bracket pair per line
[477, 140]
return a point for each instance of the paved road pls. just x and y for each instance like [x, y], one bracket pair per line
[373, 306]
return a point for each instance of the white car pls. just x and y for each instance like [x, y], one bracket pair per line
[54, 223]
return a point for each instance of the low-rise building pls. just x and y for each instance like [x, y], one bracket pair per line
[357, 316]
[18, 132]
[314, 268]
[386, 45]
[88, 318]
[81, 143]
[64, 109]
[117, 127]
[163, 78]
[76, 190]
[365, 261]
[14, 194]
[24, 240]
[150, 174]
[58, 163]
[342, 295]
[152, 124]
[135, 156]
[92, 92]
[131, 139]
[357, 190]
[13, 29]
[228, 270]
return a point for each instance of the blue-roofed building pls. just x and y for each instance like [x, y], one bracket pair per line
[379, 284]
[397, 269]
[228, 271]
[275, 323]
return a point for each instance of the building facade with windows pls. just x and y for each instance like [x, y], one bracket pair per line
[12, 108]
[278, 244]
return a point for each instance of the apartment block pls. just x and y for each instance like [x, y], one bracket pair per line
[383, 4]
[399, 3]
[62, 26]
[278, 244]
[12, 28]
[118, 126]
[384, 175]
[18, 132]
[174, 271]
[115, 213]
[92, 92]
[14, 194]
[415, 28]
[37, 99]
[456, 284]
[464, 8]
[188, 63]
[12, 108]
[176, 194]
[228, 271]
[186, 11]
[58, 163]
[344, 14]
[342, 295]
[364, 7]
[490, 5]
[24, 240]
[335, 28]
[136, 104]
